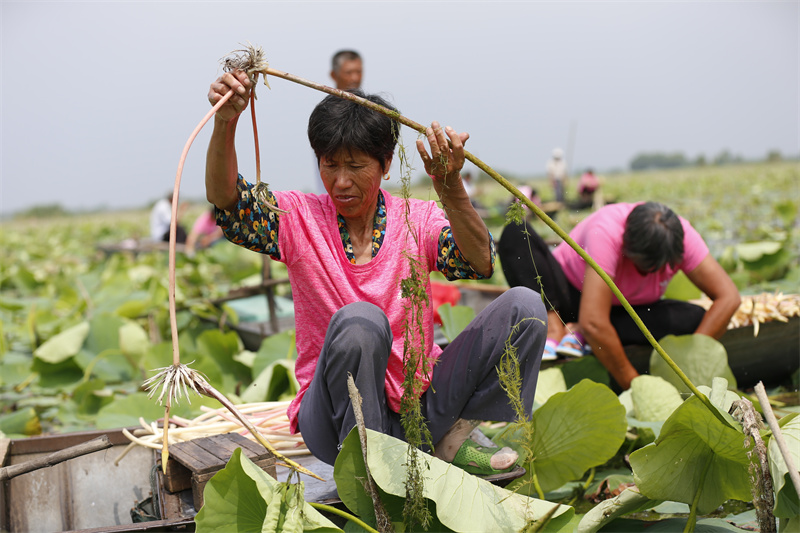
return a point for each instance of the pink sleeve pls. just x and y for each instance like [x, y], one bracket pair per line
[694, 247]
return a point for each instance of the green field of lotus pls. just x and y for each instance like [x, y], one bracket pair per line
[81, 329]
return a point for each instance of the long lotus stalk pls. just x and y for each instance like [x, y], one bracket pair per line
[525, 200]
[178, 378]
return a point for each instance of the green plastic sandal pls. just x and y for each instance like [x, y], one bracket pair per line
[476, 459]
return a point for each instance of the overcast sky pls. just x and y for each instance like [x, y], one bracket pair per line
[99, 98]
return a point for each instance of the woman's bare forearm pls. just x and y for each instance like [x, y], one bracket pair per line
[222, 168]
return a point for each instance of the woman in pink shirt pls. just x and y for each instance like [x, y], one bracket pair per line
[641, 247]
[347, 254]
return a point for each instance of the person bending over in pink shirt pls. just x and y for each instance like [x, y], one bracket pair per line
[347, 253]
[641, 247]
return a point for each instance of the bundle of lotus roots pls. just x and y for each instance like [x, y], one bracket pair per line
[760, 308]
[269, 417]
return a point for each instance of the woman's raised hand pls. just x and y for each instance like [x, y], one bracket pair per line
[445, 161]
[240, 83]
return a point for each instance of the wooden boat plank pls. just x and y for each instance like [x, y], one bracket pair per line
[81, 493]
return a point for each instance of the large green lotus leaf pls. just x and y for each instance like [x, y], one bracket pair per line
[237, 497]
[463, 502]
[134, 308]
[700, 357]
[574, 431]
[274, 348]
[22, 422]
[86, 399]
[454, 319]
[222, 347]
[753, 251]
[786, 502]
[133, 339]
[64, 345]
[61, 375]
[17, 366]
[276, 382]
[787, 210]
[654, 398]
[681, 288]
[550, 382]
[108, 365]
[585, 368]
[691, 440]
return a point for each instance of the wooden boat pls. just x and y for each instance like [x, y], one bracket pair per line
[87, 493]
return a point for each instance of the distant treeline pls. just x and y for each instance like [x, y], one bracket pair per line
[654, 160]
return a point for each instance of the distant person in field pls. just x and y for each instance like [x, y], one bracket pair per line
[347, 69]
[557, 174]
[588, 186]
[347, 255]
[160, 216]
[641, 247]
[204, 233]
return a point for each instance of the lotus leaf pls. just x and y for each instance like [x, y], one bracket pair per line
[463, 502]
[237, 497]
[695, 453]
[585, 368]
[64, 345]
[274, 348]
[222, 347]
[276, 382]
[22, 422]
[654, 398]
[454, 319]
[787, 504]
[574, 431]
[550, 382]
[700, 357]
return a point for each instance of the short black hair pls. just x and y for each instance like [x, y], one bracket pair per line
[653, 237]
[341, 56]
[338, 124]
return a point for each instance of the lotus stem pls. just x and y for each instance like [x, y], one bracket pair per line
[691, 521]
[772, 422]
[335, 510]
[525, 200]
[211, 392]
[173, 228]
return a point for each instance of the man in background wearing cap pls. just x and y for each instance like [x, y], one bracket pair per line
[557, 173]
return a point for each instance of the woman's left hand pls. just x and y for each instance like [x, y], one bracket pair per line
[445, 161]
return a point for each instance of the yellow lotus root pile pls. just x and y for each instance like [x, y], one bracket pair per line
[759, 308]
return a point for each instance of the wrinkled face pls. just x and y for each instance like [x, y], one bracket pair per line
[352, 180]
[348, 76]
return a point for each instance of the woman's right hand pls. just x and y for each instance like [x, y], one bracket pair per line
[240, 83]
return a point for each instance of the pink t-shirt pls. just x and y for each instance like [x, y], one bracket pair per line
[323, 280]
[600, 234]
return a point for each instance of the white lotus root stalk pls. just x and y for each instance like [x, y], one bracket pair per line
[761, 308]
[176, 380]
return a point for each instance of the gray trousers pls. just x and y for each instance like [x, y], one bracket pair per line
[464, 383]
